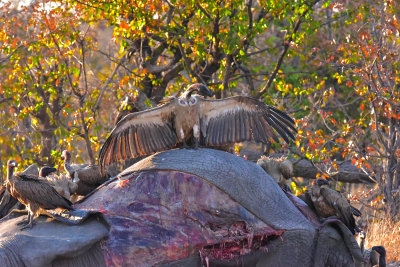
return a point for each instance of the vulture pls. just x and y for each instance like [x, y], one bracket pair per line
[373, 256]
[62, 184]
[281, 169]
[46, 170]
[68, 166]
[328, 202]
[87, 177]
[34, 193]
[191, 118]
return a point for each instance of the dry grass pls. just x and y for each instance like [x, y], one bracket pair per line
[385, 233]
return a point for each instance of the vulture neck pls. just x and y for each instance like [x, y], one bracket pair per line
[188, 94]
[10, 172]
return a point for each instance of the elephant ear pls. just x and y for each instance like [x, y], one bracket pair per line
[349, 240]
[345, 236]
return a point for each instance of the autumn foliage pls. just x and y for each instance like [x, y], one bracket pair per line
[65, 67]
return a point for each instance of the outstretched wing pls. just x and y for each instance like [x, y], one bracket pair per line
[241, 118]
[139, 134]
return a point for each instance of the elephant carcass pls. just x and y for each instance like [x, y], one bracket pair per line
[207, 207]
[184, 208]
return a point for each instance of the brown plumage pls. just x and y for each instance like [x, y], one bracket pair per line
[70, 168]
[281, 169]
[328, 202]
[34, 193]
[87, 177]
[210, 123]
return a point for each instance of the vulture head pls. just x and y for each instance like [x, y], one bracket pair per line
[380, 256]
[11, 164]
[281, 169]
[66, 156]
[46, 170]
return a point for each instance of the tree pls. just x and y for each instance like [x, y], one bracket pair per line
[67, 65]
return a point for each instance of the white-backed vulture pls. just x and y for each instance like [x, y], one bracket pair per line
[210, 123]
[87, 177]
[62, 184]
[70, 168]
[34, 193]
[281, 169]
[328, 202]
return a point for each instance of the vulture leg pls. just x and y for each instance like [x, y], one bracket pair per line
[196, 142]
[184, 143]
[30, 222]
[24, 222]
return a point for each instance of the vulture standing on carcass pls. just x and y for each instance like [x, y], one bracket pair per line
[281, 169]
[70, 168]
[87, 177]
[209, 123]
[328, 202]
[34, 193]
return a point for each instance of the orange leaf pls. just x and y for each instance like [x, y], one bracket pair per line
[349, 83]
[362, 106]
[14, 44]
[369, 149]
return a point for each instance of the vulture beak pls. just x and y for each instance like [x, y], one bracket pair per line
[12, 163]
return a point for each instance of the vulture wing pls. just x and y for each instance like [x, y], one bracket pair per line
[91, 175]
[241, 118]
[341, 205]
[139, 134]
[29, 189]
[355, 211]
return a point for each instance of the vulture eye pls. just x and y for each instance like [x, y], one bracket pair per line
[182, 102]
[192, 101]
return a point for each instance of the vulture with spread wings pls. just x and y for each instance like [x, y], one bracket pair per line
[208, 122]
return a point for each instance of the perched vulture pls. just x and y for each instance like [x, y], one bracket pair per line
[87, 177]
[328, 202]
[68, 166]
[281, 169]
[62, 184]
[209, 123]
[34, 193]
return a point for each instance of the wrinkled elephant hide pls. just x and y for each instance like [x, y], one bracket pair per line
[161, 216]
[206, 207]
[184, 207]
[52, 243]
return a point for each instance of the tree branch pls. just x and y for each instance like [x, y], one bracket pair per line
[286, 45]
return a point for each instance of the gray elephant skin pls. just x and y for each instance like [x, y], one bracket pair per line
[184, 207]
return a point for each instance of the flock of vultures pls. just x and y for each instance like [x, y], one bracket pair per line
[190, 120]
